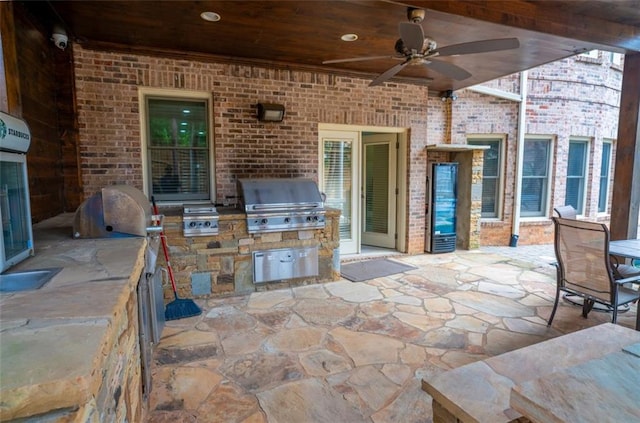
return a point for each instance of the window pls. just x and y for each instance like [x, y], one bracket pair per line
[178, 148]
[491, 172]
[605, 167]
[576, 171]
[616, 59]
[592, 54]
[535, 177]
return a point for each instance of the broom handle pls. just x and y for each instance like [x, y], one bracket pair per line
[163, 238]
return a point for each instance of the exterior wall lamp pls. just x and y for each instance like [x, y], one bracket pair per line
[269, 112]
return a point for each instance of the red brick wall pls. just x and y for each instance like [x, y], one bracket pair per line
[572, 98]
[110, 147]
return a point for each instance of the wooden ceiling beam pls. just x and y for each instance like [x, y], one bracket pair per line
[551, 17]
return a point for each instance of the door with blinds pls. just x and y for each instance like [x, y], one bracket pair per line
[340, 182]
[379, 190]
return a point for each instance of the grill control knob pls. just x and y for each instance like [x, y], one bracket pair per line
[207, 224]
[264, 221]
[192, 224]
[287, 219]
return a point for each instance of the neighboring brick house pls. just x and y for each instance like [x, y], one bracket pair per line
[573, 106]
[575, 99]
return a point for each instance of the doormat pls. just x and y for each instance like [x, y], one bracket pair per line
[371, 269]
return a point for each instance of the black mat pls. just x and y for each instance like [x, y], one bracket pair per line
[371, 269]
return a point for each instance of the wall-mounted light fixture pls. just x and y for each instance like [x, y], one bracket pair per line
[269, 112]
[448, 95]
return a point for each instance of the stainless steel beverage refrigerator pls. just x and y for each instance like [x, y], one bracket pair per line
[440, 236]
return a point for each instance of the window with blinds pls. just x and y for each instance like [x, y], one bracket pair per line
[178, 149]
[535, 177]
[605, 167]
[491, 173]
[337, 181]
[576, 175]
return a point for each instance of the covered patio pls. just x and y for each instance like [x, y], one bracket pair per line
[357, 352]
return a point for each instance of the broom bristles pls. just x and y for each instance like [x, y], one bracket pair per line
[181, 308]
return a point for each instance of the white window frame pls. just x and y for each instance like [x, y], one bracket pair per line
[607, 177]
[501, 139]
[592, 54]
[616, 59]
[143, 93]
[585, 172]
[547, 194]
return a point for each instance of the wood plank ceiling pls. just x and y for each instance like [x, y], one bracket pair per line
[303, 34]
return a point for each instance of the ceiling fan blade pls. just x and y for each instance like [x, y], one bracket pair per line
[412, 35]
[448, 69]
[360, 59]
[389, 73]
[483, 46]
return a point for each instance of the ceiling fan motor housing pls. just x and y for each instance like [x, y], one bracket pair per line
[415, 15]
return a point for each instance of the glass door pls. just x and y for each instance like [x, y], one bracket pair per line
[379, 190]
[15, 214]
[339, 180]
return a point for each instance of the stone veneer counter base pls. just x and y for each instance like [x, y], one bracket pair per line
[70, 348]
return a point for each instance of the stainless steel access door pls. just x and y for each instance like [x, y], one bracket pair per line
[285, 263]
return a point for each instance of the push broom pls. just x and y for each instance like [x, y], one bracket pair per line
[179, 308]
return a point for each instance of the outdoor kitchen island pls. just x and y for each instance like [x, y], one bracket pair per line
[222, 264]
[69, 351]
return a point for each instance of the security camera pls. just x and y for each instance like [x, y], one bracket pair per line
[60, 38]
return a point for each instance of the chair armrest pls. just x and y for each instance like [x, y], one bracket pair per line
[632, 279]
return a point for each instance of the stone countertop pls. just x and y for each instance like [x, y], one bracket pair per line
[487, 398]
[52, 340]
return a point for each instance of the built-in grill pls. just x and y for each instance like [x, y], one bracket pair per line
[274, 205]
[199, 220]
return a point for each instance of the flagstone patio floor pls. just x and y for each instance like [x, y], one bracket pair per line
[345, 352]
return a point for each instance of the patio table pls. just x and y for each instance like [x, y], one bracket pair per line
[629, 248]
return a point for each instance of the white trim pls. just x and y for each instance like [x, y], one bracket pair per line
[402, 177]
[494, 92]
[551, 140]
[501, 170]
[169, 93]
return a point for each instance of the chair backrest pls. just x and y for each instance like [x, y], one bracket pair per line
[582, 251]
[566, 212]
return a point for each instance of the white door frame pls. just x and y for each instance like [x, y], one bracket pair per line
[401, 180]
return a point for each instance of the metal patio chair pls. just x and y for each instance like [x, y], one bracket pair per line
[584, 268]
[566, 212]
[621, 270]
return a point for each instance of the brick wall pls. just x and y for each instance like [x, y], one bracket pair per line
[107, 96]
[576, 97]
[573, 98]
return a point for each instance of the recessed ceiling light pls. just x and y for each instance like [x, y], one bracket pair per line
[210, 16]
[349, 37]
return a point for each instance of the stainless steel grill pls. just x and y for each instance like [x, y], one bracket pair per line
[199, 220]
[274, 205]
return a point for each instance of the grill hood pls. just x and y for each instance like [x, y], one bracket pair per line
[274, 205]
[259, 195]
[115, 211]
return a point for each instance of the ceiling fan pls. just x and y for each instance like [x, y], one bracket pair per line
[413, 48]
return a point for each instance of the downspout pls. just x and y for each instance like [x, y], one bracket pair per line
[522, 114]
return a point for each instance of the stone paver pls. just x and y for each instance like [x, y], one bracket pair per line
[356, 352]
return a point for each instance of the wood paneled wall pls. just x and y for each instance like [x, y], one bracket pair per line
[43, 85]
